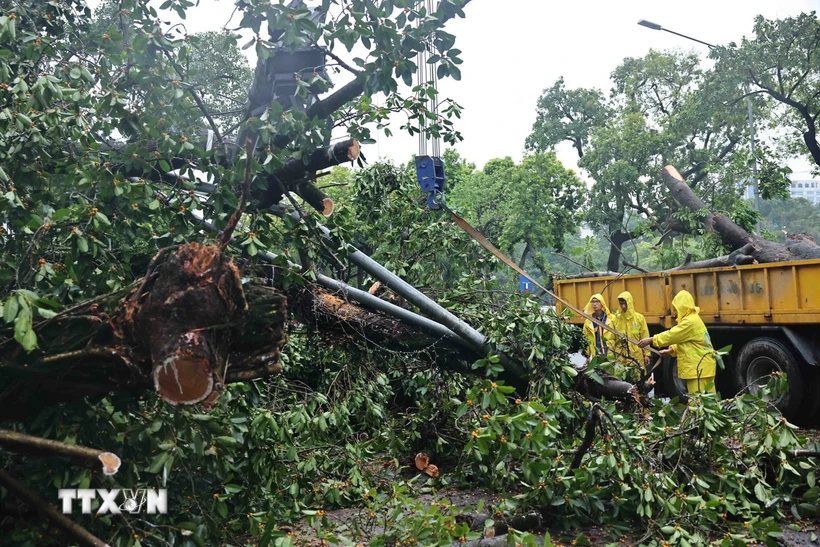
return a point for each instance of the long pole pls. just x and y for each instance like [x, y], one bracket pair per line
[752, 147]
[754, 155]
[363, 297]
[437, 313]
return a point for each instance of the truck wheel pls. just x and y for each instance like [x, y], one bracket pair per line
[674, 386]
[762, 356]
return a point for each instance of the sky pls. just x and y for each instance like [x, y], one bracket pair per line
[514, 49]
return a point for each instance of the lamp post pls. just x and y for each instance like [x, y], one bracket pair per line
[656, 26]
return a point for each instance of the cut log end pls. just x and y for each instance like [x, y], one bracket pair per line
[111, 463]
[184, 379]
[431, 470]
[674, 173]
[353, 151]
[327, 210]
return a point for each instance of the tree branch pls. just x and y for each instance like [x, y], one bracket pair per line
[20, 442]
[339, 60]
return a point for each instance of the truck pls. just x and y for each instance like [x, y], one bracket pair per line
[768, 313]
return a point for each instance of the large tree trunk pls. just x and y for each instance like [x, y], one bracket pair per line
[752, 248]
[186, 331]
[616, 242]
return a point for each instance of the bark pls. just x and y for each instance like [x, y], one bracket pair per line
[71, 528]
[592, 274]
[735, 258]
[634, 266]
[616, 241]
[589, 436]
[760, 250]
[526, 522]
[183, 321]
[176, 332]
[29, 444]
[612, 388]
[296, 175]
[353, 324]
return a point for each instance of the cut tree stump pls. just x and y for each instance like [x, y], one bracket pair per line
[183, 321]
[174, 333]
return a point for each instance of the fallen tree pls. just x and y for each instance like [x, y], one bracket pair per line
[747, 248]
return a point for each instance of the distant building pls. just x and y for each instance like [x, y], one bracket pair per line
[749, 192]
[809, 189]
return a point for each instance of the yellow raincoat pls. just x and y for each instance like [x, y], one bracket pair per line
[689, 341]
[591, 329]
[634, 325]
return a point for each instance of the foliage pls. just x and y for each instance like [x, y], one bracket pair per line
[567, 115]
[456, 168]
[384, 213]
[781, 61]
[794, 216]
[99, 161]
[101, 129]
[508, 203]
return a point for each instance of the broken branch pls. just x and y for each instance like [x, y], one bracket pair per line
[20, 442]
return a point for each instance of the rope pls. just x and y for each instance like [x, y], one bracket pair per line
[428, 75]
[484, 242]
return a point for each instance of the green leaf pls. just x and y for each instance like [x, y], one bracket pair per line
[10, 309]
[46, 313]
[102, 218]
[222, 508]
[158, 462]
[23, 332]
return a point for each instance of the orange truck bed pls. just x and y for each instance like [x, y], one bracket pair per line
[762, 294]
[768, 313]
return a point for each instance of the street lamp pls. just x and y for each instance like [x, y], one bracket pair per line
[656, 26]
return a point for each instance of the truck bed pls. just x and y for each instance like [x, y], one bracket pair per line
[780, 293]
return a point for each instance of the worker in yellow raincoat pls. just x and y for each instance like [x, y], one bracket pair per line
[689, 341]
[633, 324]
[595, 334]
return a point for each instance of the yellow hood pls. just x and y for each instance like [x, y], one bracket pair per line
[684, 304]
[588, 308]
[630, 303]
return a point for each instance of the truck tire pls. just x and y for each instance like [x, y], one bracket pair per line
[762, 356]
[673, 386]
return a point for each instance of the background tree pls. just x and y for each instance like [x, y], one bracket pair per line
[524, 207]
[664, 108]
[791, 216]
[781, 61]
